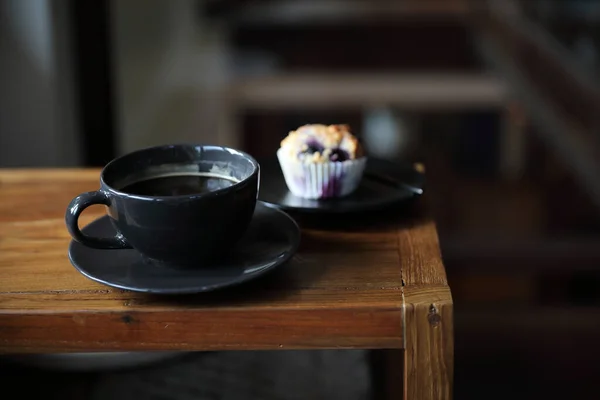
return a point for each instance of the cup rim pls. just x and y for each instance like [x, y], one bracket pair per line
[219, 192]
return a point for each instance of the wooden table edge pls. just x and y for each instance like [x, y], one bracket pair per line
[202, 329]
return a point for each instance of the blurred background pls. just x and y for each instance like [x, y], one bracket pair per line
[499, 99]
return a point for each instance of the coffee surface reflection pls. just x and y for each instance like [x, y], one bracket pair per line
[179, 184]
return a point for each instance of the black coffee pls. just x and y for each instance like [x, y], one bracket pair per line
[179, 185]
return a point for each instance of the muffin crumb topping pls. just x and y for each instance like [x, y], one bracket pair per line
[318, 143]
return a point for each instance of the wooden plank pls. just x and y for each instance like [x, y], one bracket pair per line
[428, 318]
[429, 351]
[353, 284]
[430, 270]
[342, 290]
[202, 329]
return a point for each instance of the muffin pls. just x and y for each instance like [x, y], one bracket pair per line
[321, 161]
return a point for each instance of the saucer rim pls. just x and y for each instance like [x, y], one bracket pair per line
[360, 207]
[285, 257]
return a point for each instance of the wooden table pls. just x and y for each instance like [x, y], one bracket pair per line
[353, 284]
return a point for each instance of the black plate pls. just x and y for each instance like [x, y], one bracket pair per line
[272, 238]
[384, 183]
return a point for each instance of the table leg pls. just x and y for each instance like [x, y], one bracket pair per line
[429, 350]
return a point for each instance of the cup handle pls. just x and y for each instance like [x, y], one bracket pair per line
[76, 207]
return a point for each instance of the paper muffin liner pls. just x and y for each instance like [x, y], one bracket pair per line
[322, 180]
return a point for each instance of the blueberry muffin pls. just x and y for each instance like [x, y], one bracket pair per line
[321, 161]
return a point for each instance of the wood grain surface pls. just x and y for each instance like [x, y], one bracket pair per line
[428, 319]
[349, 286]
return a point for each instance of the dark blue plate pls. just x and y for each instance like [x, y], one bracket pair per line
[384, 184]
[272, 239]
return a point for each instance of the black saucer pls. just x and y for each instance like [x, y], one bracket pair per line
[384, 183]
[272, 238]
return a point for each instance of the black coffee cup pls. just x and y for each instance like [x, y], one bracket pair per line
[180, 204]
